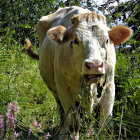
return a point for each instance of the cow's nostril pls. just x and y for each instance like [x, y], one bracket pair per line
[101, 65]
[88, 65]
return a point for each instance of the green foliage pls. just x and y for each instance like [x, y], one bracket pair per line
[20, 17]
[127, 91]
[129, 13]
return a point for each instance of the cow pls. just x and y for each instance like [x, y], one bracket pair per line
[77, 58]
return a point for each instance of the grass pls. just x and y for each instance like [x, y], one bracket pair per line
[20, 81]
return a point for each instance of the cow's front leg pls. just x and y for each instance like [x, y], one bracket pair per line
[106, 104]
[73, 123]
[61, 131]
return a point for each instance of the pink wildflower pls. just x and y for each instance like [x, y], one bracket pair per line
[90, 132]
[11, 119]
[39, 126]
[31, 130]
[73, 136]
[76, 138]
[16, 135]
[88, 135]
[36, 125]
[1, 126]
[11, 115]
[47, 136]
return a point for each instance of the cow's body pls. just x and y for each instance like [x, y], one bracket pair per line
[83, 46]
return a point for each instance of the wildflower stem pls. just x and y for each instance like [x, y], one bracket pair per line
[120, 127]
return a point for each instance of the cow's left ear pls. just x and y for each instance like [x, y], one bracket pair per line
[59, 34]
[119, 34]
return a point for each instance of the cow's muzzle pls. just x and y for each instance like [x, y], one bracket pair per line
[93, 71]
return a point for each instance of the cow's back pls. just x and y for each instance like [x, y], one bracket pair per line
[47, 49]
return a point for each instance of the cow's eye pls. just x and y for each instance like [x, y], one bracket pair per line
[107, 41]
[76, 42]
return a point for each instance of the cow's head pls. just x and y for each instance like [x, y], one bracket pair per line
[89, 37]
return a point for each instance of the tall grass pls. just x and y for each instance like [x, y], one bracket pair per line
[20, 81]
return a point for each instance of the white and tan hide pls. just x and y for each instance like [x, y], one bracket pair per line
[77, 47]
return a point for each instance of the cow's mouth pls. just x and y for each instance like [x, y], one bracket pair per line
[93, 78]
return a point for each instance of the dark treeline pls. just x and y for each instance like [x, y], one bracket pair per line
[19, 17]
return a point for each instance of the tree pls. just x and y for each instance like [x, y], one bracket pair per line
[129, 14]
[20, 17]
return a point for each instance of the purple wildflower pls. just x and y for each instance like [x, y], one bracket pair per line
[88, 135]
[16, 135]
[90, 132]
[73, 136]
[35, 128]
[11, 119]
[36, 125]
[39, 126]
[76, 138]
[31, 131]
[47, 136]
[1, 126]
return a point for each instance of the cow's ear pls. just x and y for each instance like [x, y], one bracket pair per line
[59, 34]
[119, 34]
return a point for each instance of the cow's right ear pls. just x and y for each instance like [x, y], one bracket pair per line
[59, 34]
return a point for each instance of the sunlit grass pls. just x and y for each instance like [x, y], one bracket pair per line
[20, 81]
